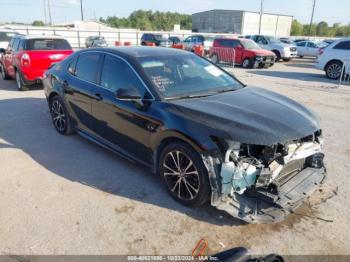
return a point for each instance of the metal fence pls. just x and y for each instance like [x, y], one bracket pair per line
[223, 55]
[77, 37]
[345, 73]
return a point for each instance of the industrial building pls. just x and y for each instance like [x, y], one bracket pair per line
[241, 22]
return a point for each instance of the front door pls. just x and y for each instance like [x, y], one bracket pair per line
[122, 123]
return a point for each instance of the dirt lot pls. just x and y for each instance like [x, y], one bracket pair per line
[66, 195]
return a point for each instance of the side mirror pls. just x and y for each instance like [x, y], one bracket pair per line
[2, 51]
[130, 94]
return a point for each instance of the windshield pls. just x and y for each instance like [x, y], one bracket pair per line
[186, 75]
[160, 37]
[272, 39]
[250, 45]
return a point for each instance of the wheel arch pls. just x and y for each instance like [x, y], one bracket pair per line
[174, 136]
[330, 61]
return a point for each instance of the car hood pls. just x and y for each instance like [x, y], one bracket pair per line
[250, 115]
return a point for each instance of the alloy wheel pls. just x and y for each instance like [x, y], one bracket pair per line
[181, 175]
[334, 70]
[245, 63]
[58, 116]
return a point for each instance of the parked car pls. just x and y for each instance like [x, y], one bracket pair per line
[28, 57]
[282, 50]
[308, 48]
[157, 39]
[95, 41]
[174, 40]
[243, 52]
[300, 40]
[5, 37]
[195, 40]
[332, 58]
[247, 150]
[286, 40]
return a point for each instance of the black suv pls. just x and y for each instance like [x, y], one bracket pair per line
[157, 39]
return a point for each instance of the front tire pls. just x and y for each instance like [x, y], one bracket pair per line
[334, 70]
[183, 172]
[247, 63]
[60, 117]
[278, 55]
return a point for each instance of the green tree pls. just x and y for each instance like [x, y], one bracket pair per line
[322, 29]
[38, 23]
[308, 32]
[148, 20]
[297, 28]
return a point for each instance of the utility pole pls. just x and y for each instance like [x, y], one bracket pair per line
[81, 10]
[45, 18]
[49, 6]
[312, 17]
[261, 13]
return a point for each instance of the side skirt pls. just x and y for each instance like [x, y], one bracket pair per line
[115, 149]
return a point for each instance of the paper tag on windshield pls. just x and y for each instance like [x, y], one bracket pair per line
[213, 70]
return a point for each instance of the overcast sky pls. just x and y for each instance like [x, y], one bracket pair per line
[330, 11]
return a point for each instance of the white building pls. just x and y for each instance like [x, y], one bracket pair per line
[241, 22]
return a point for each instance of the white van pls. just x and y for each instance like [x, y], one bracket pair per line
[5, 37]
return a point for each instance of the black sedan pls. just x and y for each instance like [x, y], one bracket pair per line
[246, 150]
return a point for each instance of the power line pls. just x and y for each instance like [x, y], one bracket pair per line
[312, 17]
[261, 13]
[81, 10]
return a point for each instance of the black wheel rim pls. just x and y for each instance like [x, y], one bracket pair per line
[58, 116]
[181, 175]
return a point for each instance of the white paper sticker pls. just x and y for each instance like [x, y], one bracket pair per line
[213, 70]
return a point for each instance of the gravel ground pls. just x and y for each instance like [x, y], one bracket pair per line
[66, 195]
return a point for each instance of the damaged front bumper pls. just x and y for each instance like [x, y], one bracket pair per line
[261, 207]
[266, 184]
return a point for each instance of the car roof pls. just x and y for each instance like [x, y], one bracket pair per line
[40, 36]
[139, 51]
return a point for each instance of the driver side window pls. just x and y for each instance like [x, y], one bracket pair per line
[117, 74]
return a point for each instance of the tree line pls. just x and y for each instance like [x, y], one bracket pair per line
[148, 20]
[320, 29]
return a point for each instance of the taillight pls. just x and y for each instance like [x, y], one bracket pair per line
[25, 60]
[320, 51]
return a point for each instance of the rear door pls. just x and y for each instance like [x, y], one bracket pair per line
[312, 49]
[80, 88]
[45, 51]
[301, 48]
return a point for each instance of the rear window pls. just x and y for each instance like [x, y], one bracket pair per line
[48, 44]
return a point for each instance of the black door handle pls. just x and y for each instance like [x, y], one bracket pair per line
[98, 97]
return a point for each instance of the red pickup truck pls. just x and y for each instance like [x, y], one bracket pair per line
[243, 52]
[28, 57]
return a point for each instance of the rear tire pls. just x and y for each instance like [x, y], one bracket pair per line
[4, 75]
[334, 70]
[19, 81]
[185, 175]
[286, 59]
[60, 116]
